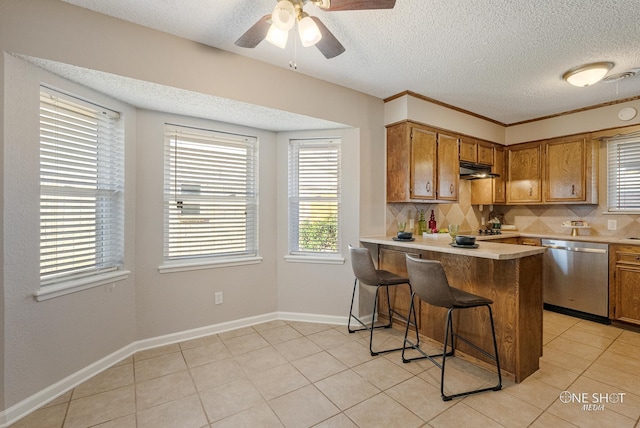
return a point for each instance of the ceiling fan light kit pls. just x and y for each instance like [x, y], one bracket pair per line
[309, 31]
[275, 27]
[588, 74]
[277, 37]
[284, 15]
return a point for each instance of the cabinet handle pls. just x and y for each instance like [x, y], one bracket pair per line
[530, 191]
[428, 186]
[637, 257]
[451, 188]
[573, 189]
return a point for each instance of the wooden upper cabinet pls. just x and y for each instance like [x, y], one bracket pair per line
[468, 150]
[411, 163]
[492, 190]
[448, 168]
[423, 164]
[474, 151]
[499, 183]
[566, 170]
[485, 154]
[398, 156]
[524, 176]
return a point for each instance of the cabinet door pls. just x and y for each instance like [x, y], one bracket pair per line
[499, 183]
[468, 150]
[627, 306]
[397, 163]
[565, 170]
[448, 168]
[524, 176]
[423, 164]
[485, 154]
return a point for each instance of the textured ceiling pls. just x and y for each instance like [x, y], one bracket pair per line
[151, 96]
[501, 59]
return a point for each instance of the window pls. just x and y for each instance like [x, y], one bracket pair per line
[314, 197]
[623, 177]
[81, 190]
[210, 196]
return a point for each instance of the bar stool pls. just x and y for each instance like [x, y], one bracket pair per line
[367, 274]
[430, 284]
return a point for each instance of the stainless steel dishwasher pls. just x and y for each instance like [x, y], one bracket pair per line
[576, 278]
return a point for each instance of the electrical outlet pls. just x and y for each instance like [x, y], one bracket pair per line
[218, 297]
[612, 224]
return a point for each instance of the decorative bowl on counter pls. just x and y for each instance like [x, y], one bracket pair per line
[465, 240]
[405, 235]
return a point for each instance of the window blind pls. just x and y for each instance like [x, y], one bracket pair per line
[211, 199]
[81, 189]
[623, 177]
[314, 196]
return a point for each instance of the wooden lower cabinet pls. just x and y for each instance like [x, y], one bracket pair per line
[624, 301]
[515, 287]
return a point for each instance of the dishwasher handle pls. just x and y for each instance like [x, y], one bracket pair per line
[576, 249]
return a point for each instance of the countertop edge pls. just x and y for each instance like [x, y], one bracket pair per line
[486, 249]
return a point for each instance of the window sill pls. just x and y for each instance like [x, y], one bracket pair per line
[207, 264]
[329, 260]
[73, 286]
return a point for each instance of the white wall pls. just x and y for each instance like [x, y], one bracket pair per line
[597, 119]
[172, 302]
[49, 340]
[45, 341]
[314, 288]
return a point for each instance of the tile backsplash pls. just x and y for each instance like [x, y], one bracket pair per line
[526, 218]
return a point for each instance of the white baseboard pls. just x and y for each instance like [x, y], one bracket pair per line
[39, 399]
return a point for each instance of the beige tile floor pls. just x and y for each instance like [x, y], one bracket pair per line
[296, 374]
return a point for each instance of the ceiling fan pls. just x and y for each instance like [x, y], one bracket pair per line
[275, 27]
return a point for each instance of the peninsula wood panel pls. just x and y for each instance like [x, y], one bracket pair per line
[515, 286]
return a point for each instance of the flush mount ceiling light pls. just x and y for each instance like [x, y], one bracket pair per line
[275, 27]
[588, 74]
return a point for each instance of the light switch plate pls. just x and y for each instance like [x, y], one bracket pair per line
[612, 225]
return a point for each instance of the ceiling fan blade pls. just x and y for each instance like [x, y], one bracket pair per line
[358, 4]
[255, 34]
[328, 44]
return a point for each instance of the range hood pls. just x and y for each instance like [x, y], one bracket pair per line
[472, 171]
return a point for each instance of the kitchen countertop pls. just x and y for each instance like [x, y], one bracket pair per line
[440, 242]
[561, 236]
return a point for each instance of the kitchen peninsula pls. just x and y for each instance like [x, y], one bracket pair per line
[510, 275]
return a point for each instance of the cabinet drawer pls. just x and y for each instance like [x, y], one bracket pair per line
[628, 258]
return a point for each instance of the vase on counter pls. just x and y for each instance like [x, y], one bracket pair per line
[433, 227]
[422, 223]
